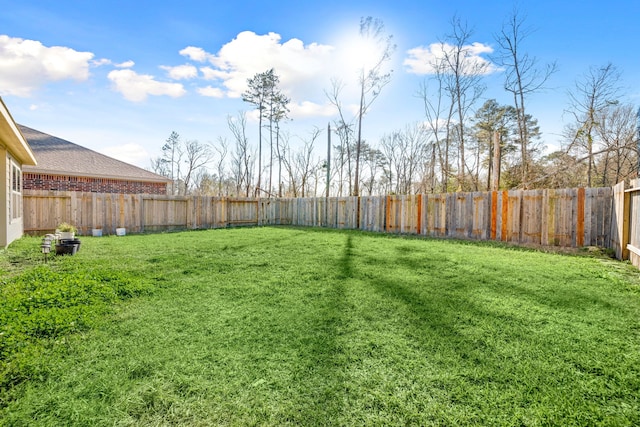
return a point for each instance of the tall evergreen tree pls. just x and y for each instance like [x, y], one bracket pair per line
[263, 93]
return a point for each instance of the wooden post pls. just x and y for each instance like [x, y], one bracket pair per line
[419, 222]
[387, 214]
[121, 220]
[580, 219]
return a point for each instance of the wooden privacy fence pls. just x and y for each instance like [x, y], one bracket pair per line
[569, 217]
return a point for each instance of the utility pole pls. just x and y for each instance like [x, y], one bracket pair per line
[328, 156]
[326, 205]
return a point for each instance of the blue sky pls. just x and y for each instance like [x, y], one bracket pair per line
[119, 76]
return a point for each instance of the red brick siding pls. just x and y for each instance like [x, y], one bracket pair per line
[32, 181]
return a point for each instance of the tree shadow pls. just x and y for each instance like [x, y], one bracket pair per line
[345, 263]
[322, 359]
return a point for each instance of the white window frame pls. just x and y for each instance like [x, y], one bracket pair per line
[15, 191]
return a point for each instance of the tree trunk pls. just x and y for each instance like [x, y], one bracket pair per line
[495, 183]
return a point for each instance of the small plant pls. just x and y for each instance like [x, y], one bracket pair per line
[67, 228]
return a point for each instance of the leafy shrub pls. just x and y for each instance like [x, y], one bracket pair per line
[66, 227]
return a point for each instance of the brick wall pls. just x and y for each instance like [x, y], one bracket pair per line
[32, 181]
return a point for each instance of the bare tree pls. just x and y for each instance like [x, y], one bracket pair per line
[523, 77]
[464, 83]
[242, 163]
[159, 166]
[196, 157]
[438, 110]
[373, 163]
[617, 131]
[372, 78]
[221, 148]
[204, 183]
[593, 94]
[344, 131]
[404, 153]
[300, 165]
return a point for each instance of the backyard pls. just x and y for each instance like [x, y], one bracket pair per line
[291, 326]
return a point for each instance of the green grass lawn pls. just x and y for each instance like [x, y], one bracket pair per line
[286, 326]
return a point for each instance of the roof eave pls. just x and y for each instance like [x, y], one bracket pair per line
[13, 138]
[59, 172]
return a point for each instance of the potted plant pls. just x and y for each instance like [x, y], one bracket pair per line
[96, 231]
[67, 231]
[67, 243]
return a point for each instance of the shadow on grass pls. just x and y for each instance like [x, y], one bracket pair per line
[323, 358]
[345, 264]
[547, 292]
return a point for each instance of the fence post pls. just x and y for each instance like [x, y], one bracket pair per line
[620, 221]
[580, 214]
[387, 214]
[140, 212]
[419, 221]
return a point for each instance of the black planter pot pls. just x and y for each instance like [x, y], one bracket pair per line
[66, 249]
[75, 242]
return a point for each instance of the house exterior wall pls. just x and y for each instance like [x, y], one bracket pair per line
[4, 195]
[36, 181]
[11, 214]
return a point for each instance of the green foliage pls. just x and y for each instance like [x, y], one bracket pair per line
[66, 227]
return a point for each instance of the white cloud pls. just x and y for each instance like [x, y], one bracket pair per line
[181, 72]
[306, 109]
[213, 92]
[195, 53]
[25, 65]
[212, 74]
[100, 62]
[136, 87]
[134, 154]
[302, 69]
[423, 60]
[126, 64]
[305, 70]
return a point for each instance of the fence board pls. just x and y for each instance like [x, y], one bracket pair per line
[532, 214]
[372, 213]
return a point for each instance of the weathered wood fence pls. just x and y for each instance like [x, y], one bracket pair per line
[569, 217]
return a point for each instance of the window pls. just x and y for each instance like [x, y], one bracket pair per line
[15, 200]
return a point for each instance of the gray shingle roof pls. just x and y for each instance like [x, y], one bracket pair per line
[60, 157]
